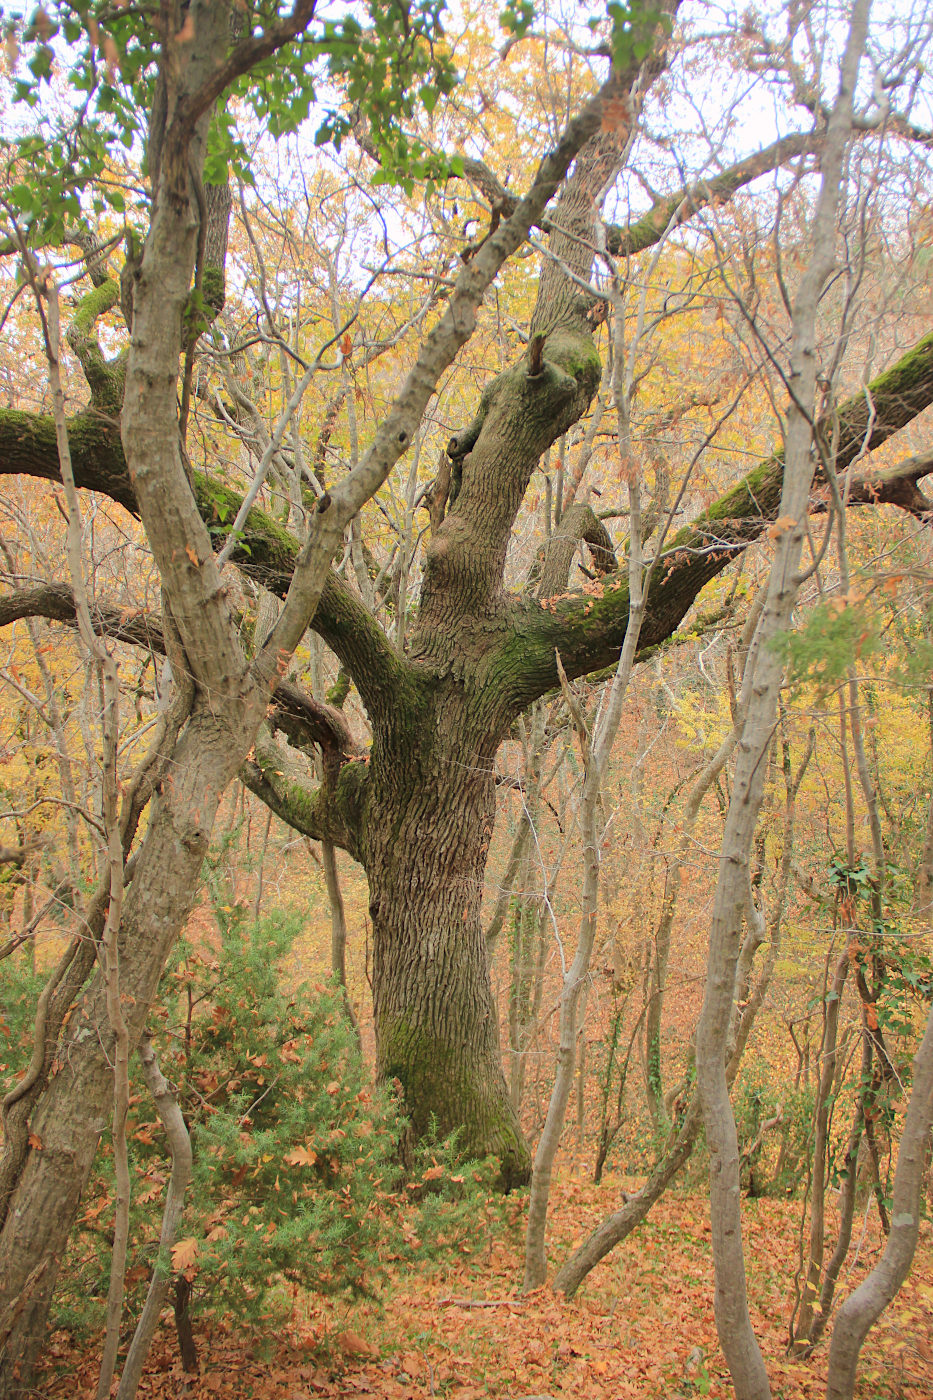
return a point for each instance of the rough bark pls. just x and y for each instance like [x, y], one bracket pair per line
[426, 842]
[476, 657]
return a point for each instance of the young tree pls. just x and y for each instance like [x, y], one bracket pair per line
[761, 691]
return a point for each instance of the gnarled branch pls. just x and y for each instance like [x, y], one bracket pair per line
[304, 719]
[578, 525]
[587, 630]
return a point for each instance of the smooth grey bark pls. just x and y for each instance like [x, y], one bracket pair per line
[180, 1148]
[597, 749]
[802, 1324]
[820, 1283]
[862, 1308]
[338, 928]
[761, 689]
[846, 1204]
[662, 939]
[620, 1224]
[74, 1108]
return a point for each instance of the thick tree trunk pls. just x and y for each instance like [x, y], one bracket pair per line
[426, 847]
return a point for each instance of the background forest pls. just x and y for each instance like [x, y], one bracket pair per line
[466, 720]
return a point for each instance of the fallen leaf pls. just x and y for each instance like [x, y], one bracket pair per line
[300, 1157]
[184, 1252]
[352, 1344]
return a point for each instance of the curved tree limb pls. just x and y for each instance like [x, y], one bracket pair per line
[895, 486]
[105, 377]
[295, 711]
[670, 211]
[266, 552]
[865, 1305]
[328, 812]
[588, 629]
[579, 524]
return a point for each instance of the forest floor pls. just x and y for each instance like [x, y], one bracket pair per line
[641, 1327]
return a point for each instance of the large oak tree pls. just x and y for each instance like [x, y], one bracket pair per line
[418, 810]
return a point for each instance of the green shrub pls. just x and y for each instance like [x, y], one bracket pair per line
[297, 1181]
[776, 1166]
[19, 992]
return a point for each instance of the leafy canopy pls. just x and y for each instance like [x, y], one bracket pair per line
[88, 71]
[84, 75]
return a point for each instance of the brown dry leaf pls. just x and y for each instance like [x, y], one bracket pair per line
[301, 1157]
[352, 1344]
[184, 1252]
[35, 1142]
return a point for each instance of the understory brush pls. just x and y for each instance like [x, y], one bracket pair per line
[297, 1180]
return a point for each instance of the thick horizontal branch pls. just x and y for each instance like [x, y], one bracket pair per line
[265, 551]
[28, 448]
[297, 713]
[894, 486]
[670, 211]
[588, 629]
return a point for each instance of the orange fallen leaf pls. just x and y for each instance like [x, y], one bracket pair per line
[352, 1344]
[184, 1252]
[300, 1157]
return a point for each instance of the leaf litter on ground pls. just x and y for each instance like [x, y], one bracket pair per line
[641, 1327]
